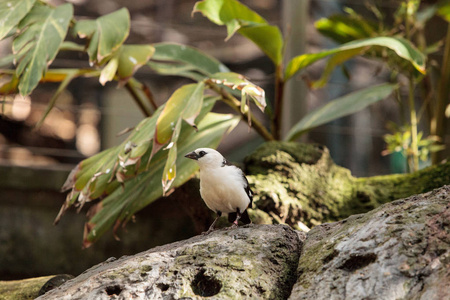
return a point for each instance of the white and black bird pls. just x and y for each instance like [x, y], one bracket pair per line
[223, 186]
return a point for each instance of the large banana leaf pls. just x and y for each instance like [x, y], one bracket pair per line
[340, 107]
[181, 60]
[42, 31]
[120, 206]
[239, 18]
[106, 34]
[401, 47]
[11, 12]
[134, 166]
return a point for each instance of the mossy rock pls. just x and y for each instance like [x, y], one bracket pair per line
[297, 184]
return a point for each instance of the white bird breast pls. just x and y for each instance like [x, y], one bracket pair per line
[222, 189]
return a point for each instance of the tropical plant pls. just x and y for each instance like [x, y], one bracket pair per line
[410, 20]
[126, 178]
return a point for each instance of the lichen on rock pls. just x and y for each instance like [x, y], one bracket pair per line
[253, 262]
[399, 251]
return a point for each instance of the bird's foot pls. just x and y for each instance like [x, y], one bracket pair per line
[233, 226]
[208, 231]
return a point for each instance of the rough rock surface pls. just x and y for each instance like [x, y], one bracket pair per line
[399, 251]
[255, 261]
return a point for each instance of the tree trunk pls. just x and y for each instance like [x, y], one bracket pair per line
[299, 183]
[400, 250]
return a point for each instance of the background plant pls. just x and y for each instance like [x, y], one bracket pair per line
[124, 179]
[431, 83]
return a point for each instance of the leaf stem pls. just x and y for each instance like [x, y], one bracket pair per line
[132, 89]
[235, 104]
[148, 93]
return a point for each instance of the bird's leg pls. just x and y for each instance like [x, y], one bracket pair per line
[211, 228]
[238, 216]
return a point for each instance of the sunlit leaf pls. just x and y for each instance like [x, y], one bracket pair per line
[42, 31]
[239, 18]
[340, 107]
[346, 28]
[184, 103]
[170, 169]
[11, 12]
[401, 47]
[106, 34]
[239, 82]
[109, 71]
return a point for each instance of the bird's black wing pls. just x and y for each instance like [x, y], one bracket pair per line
[248, 191]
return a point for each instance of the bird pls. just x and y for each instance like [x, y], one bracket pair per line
[223, 186]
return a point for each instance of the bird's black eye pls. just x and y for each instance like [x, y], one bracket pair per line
[202, 153]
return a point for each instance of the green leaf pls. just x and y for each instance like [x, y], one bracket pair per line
[170, 169]
[109, 71]
[239, 18]
[11, 12]
[239, 82]
[401, 47]
[186, 59]
[346, 28]
[184, 103]
[332, 63]
[341, 107]
[106, 34]
[131, 58]
[42, 31]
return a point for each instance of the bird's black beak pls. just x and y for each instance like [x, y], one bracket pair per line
[192, 155]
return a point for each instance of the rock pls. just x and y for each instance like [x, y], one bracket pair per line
[399, 251]
[255, 261]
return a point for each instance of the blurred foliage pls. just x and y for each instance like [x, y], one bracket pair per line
[410, 20]
[124, 179]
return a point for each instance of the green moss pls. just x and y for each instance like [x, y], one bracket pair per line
[22, 289]
[299, 182]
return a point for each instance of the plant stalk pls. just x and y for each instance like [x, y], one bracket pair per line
[279, 90]
[413, 117]
[235, 104]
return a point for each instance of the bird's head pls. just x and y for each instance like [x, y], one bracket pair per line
[206, 157]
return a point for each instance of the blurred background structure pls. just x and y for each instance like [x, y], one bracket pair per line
[88, 116]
